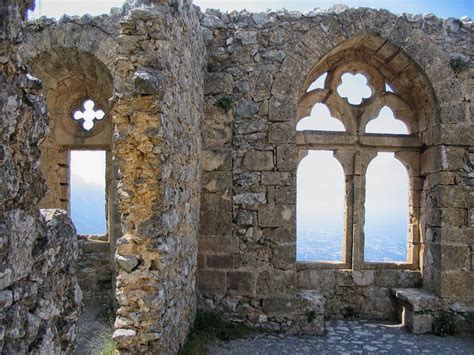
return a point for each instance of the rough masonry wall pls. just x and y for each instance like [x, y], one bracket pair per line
[40, 300]
[73, 57]
[157, 144]
[258, 65]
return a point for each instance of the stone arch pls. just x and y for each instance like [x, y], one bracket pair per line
[418, 70]
[79, 34]
[71, 77]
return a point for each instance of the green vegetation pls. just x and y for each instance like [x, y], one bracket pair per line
[224, 103]
[101, 342]
[209, 327]
[350, 312]
[36, 25]
[458, 64]
[311, 316]
[444, 324]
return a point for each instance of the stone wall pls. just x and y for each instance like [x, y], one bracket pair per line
[95, 270]
[259, 67]
[215, 148]
[73, 58]
[157, 144]
[40, 300]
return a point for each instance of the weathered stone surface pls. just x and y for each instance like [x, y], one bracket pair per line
[258, 161]
[127, 262]
[40, 300]
[242, 95]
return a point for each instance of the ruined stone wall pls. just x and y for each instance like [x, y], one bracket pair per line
[251, 94]
[95, 270]
[157, 144]
[73, 58]
[259, 66]
[39, 296]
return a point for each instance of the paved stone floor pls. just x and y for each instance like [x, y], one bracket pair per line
[349, 337]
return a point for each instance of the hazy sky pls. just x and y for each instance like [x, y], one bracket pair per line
[441, 8]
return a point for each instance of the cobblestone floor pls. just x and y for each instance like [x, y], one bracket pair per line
[349, 337]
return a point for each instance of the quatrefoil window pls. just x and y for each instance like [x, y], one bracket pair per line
[354, 88]
[87, 116]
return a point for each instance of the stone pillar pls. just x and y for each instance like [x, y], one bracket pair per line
[157, 149]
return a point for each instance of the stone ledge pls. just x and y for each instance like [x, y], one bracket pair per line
[419, 309]
[419, 300]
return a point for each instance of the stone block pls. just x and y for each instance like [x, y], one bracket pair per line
[246, 109]
[452, 196]
[242, 283]
[216, 223]
[277, 178]
[276, 283]
[218, 83]
[363, 278]
[244, 218]
[276, 216]
[417, 323]
[284, 195]
[281, 132]
[418, 300]
[213, 160]
[279, 235]
[282, 109]
[453, 284]
[218, 244]
[280, 306]
[286, 157]
[211, 281]
[284, 256]
[250, 126]
[220, 261]
[250, 199]
[258, 161]
[456, 257]
[216, 181]
[215, 202]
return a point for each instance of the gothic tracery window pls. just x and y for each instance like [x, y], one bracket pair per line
[369, 122]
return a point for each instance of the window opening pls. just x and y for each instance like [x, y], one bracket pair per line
[388, 88]
[320, 119]
[354, 88]
[88, 198]
[320, 206]
[318, 83]
[88, 115]
[386, 210]
[386, 122]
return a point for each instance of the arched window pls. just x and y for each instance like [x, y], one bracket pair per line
[377, 142]
[386, 210]
[320, 207]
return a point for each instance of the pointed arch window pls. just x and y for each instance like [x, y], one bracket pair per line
[350, 112]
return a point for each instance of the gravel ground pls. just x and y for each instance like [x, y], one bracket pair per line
[349, 337]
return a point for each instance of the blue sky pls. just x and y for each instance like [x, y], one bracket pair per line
[441, 8]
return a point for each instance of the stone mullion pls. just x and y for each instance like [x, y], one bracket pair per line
[346, 158]
[361, 162]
